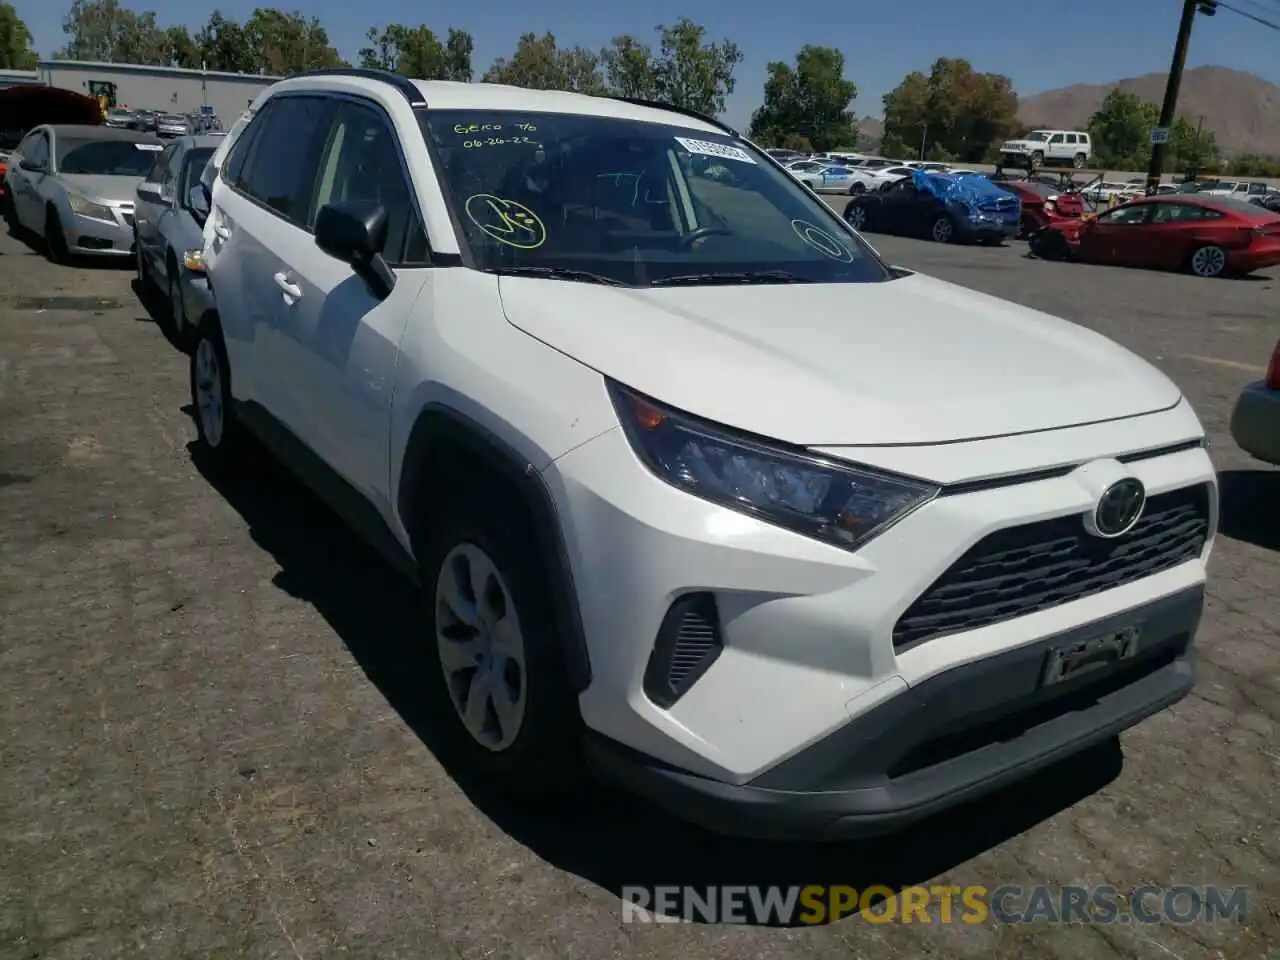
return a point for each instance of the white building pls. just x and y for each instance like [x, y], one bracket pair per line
[168, 89]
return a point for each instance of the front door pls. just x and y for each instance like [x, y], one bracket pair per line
[337, 330]
[1117, 236]
[151, 207]
[26, 183]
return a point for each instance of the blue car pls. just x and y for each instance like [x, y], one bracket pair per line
[942, 207]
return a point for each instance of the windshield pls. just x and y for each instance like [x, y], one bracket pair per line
[635, 203]
[106, 158]
[1039, 136]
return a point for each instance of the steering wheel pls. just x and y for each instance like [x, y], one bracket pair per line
[689, 239]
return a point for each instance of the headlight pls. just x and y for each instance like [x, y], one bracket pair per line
[90, 208]
[841, 505]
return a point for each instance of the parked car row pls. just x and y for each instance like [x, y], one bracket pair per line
[164, 124]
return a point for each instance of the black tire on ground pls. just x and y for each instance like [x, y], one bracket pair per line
[219, 437]
[1048, 245]
[55, 241]
[943, 230]
[1037, 159]
[856, 189]
[544, 760]
[1078, 161]
[174, 310]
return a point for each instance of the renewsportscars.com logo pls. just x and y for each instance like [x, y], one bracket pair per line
[974, 905]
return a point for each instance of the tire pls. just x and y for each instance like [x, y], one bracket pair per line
[55, 241]
[146, 283]
[1047, 245]
[943, 230]
[857, 188]
[1037, 158]
[219, 438]
[175, 309]
[856, 217]
[530, 748]
[11, 213]
[1208, 261]
[1078, 161]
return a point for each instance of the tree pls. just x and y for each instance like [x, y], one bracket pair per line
[813, 101]
[15, 41]
[283, 43]
[224, 45]
[539, 64]
[1121, 131]
[692, 74]
[954, 111]
[183, 49]
[417, 52]
[1192, 149]
[629, 69]
[104, 30]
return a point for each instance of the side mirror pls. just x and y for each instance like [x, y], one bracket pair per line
[355, 232]
[150, 192]
[31, 166]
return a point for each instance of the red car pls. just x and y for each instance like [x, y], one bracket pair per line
[1208, 236]
[1043, 203]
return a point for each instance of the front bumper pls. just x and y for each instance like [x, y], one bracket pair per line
[989, 229]
[953, 738]
[1255, 422]
[89, 236]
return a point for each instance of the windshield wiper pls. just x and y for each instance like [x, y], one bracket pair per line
[758, 276]
[557, 273]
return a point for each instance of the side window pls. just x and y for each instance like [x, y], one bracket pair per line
[238, 156]
[281, 169]
[158, 169]
[1126, 216]
[38, 152]
[1056, 138]
[361, 161]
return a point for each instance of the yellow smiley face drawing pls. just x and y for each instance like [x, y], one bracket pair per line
[507, 221]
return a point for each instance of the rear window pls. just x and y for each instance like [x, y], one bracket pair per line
[106, 158]
[1242, 207]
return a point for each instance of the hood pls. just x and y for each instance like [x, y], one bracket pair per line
[909, 361]
[116, 189]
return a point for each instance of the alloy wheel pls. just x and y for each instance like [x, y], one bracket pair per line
[209, 399]
[858, 217]
[481, 647]
[1208, 262]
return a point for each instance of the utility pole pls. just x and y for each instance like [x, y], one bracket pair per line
[1170, 108]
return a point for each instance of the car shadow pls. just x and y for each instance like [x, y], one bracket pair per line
[605, 837]
[35, 244]
[158, 311]
[1249, 501]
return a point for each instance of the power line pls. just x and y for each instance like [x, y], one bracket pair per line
[1249, 16]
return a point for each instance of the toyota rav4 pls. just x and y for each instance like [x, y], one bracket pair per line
[701, 494]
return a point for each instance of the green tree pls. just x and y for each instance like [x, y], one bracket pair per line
[1192, 149]
[1254, 165]
[539, 64]
[629, 68]
[15, 41]
[224, 45]
[183, 49]
[1121, 131]
[417, 52]
[282, 42]
[953, 111]
[104, 30]
[692, 73]
[813, 101]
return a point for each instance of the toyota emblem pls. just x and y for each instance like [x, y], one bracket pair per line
[1119, 508]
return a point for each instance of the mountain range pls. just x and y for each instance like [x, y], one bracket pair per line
[1241, 109]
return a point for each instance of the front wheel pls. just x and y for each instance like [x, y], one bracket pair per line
[1037, 158]
[943, 230]
[857, 188]
[55, 241]
[1208, 261]
[496, 678]
[857, 217]
[1078, 161]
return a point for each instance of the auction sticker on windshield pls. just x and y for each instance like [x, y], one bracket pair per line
[155, 147]
[708, 149]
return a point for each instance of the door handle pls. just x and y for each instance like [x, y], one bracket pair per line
[222, 232]
[291, 289]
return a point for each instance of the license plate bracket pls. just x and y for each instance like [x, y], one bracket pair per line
[1079, 657]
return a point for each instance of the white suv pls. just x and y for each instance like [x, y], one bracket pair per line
[700, 492]
[1048, 148]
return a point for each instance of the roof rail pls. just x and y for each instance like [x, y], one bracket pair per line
[407, 88]
[683, 111]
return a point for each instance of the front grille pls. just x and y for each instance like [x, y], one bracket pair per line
[1013, 572]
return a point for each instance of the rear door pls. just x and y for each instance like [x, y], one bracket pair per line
[1119, 236]
[263, 219]
[1174, 232]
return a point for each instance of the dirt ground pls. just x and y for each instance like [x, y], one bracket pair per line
[212, 742]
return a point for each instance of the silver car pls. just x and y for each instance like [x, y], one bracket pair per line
[169, 232]
[76, 186]
[174, 125]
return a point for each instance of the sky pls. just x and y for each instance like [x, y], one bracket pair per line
[1040, 44]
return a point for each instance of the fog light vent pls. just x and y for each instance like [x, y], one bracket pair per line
[688, 643]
